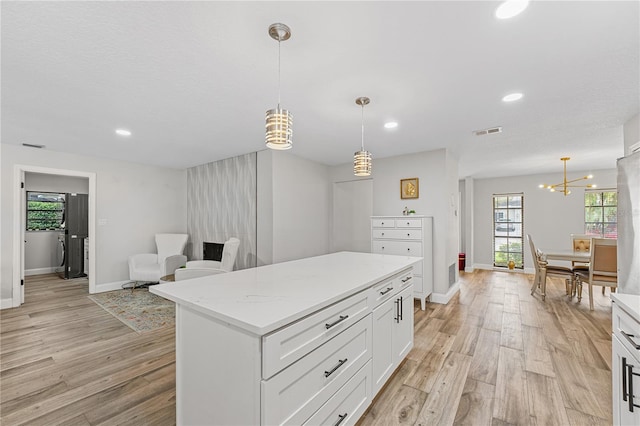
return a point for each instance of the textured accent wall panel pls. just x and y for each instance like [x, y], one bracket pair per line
[221, 203]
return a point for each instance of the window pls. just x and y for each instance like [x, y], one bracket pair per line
[507, 230]
[601, 213]
[45, 211]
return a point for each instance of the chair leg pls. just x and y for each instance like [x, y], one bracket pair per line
[590, 296]
[579, 290]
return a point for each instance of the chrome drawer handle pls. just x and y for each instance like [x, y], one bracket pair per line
[406, 279]
[340, 419]
[340, 364]
[342, 318]
[382, 293]
[629, 338]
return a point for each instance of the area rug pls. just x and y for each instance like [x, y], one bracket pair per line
[140, 310]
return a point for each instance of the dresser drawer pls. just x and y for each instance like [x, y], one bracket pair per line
[346, 406]
[383, 223]
[625, 323]
[397, 234]
[294, 394]
[408, 223]
[402, 248]
[291, 343]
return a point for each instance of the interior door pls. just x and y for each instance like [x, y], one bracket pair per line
[352, 210]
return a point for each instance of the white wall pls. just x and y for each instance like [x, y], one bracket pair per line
[134, 202]
[631, 130]
[352, 208]
[438, 180]
[41, 246]
[298, 220]
[548, 217]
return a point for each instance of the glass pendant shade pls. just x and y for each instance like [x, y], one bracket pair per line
[279, 129]
[362, 163]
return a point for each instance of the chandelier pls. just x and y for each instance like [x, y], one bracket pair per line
[362, 158]
[279, 122]
[563, 187]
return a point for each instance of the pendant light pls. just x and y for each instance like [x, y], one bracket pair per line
[563, 187]
[279, 121]
[362, 158]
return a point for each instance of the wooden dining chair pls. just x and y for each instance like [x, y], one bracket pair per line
[603, 267]
[544, 270]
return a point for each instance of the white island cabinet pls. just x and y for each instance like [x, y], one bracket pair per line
[625, 371]
[309, 341]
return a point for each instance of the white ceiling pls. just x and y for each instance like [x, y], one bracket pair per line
[192, 80]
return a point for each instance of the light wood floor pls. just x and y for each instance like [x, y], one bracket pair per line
[493, 355]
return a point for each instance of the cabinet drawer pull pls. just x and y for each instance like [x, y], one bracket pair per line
[383, 234]
[397, 302]
[340, 419]
[406, 279]
[629, 338]
[401, 307]
[382, 293]
[408, 235]
[408, 249]
[342, 318]
[340, 364]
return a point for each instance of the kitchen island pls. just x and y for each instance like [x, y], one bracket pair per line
[307, 341]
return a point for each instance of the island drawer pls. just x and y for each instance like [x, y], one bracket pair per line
[626, 328]
[294, 394]
[402, 248]
[388, 288]
[346, 406]
[287, 345]
[397, 234]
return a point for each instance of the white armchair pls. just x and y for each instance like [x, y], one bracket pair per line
[229, 253]
[149, 267]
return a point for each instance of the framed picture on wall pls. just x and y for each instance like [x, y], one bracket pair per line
[409, 188]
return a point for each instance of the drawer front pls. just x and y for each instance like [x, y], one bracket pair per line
[625, 323]
[397, 234]
[383, 291]
[402, 248]
[348, 404]
[383, 223]
[291, 343]
[409, 223]
[293, 395]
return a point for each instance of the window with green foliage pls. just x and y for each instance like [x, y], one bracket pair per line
[508, 230]
[601, 213]
[45, 211]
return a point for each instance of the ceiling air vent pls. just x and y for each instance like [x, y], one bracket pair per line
[489, 131]
[31, 145]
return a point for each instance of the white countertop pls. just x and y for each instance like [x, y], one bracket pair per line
[261, 300]
[629, 302]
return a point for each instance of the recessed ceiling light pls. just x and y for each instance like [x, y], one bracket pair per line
[511, 8]
[123, 132]
[391, 125]
[512, 97]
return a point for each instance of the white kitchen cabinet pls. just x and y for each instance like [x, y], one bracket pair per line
[287, 344]
[392, 330]
[407, 236]
[626, 359]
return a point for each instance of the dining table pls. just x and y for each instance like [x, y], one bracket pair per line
[568, 255]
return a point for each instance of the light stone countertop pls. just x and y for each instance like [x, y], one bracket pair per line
[630, 303]
[263, 299]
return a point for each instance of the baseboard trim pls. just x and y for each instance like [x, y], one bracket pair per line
[493, 268]
[443, 299]
[468, 269]
[116, 285]
[6, 303]
[40, 271]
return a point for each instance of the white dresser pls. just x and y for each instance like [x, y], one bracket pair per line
[409, 236]
[306, 342]
[626, 359]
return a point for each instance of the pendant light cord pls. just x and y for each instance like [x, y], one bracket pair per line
[279, 37]
[362, 144]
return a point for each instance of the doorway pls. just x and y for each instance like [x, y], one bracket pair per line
[19, 229]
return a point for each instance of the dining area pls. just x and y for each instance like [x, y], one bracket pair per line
[587, 261]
